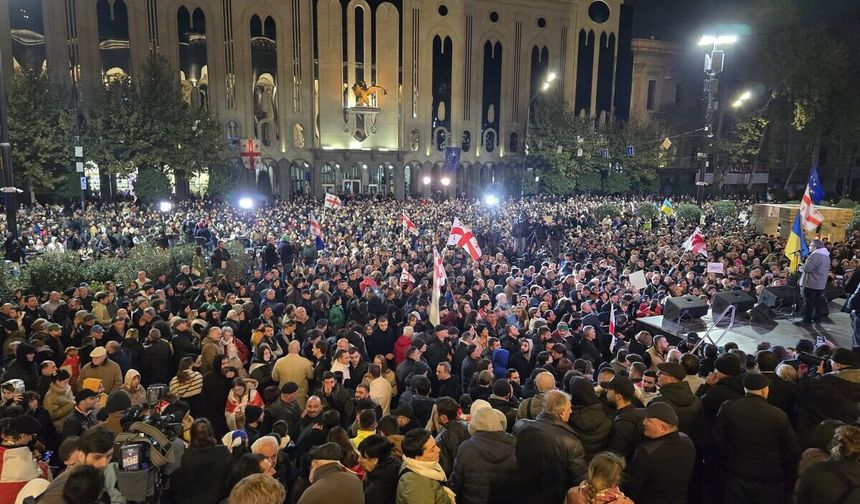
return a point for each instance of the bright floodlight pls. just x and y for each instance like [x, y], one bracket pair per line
[165, 206]
[551, 77]
[546, 86]
[426, 180]
[737, 103]
[246, 203]
[491, 200]
[722, 39]
[446, 181]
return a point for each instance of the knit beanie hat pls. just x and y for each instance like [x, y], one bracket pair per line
[118, 400]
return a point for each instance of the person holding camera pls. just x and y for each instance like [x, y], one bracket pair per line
[17, 463]
[830, 395]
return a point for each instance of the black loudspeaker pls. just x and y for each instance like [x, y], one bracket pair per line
[778, 296]
[743, 301]
[687, 307]
[762, 314]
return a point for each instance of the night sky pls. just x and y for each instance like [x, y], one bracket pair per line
[680, 20]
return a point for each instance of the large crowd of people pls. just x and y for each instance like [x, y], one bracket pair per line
[323, 375]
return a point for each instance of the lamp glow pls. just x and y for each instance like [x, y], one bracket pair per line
[745, 96]
[426, 180]
[551, 77]
[165, 206]
[446, 181]
[491, 200]
[246, 203]
[546, 86]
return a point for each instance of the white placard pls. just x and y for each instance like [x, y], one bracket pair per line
[638, 281]
[716, 267]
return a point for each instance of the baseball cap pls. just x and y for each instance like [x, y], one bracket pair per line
[84, 394]
[621, 385]
[97, 328]
[673, 369]
[661, 411]
[562, 326]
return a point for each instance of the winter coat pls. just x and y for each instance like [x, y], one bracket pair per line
[202, 476]
[627, 432]
[212, 400]
[500, 363]
[23, 369]
[109, 373]
[649, 482]
[815, 270]
[59, 404]
[834, 395]
[731, 387]
[691, 413]
[781, 393]
[764, 450]
[380, 484]
[485, 470]
[412, 488]
[551, 458]
[155, 363]
[509, 408]
[592, 427]
[333, 483]
[449, 440]
[830, 482]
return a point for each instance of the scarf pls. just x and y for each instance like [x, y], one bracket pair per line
[430, 470]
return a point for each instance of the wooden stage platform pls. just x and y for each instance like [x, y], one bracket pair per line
[781, 331]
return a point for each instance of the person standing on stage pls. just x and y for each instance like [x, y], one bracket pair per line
[813, 280]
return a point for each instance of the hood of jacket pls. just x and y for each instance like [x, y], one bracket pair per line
[678, 394]
[494, 447]
[588, 418]
[129, 376]
[500, 357]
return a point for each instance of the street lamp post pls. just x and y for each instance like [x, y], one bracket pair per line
[547, 84]
[713, 65]
[6, 156]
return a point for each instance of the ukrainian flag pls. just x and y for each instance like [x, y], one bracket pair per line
[667, 207]
[796, 246]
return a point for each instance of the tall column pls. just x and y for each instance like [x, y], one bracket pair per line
[399, 182]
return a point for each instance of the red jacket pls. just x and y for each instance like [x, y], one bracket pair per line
[400, 347]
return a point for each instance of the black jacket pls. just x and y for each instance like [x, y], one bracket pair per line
[550, 457]
[757, 440]
[830, 482]
[661, 470]
[731, 387]
[691, 413]
[185, 344]
[155, 363]
[380, 484]
[782, 393]
[486, 470]
[509, 408]
[592, 426]
[834, 395]
[627, 432]
[437, 351]
[449, 440]
[202, 476]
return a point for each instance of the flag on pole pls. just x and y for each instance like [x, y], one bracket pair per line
[463, 237]
[796, 247]
[667, 207]
[406, 277]
[439, 279]
[332, 201]
[813, 195]
[696, 243]
[612, 321]
[316, 232]
[408, 224]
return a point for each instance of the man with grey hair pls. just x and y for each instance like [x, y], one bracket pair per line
[813, 280]
[296, 369]
[257, 489]
[549, 451]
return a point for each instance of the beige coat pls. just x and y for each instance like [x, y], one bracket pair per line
[297, 369]
[109, 373]
[59, 404]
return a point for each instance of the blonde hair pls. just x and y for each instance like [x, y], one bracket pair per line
[257, 489]
[604, 472]
[786, 372]
[847, 443]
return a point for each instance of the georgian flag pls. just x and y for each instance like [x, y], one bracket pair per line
[696, 243]
[439, 275]
[463, 237]
[332, 201]
[405, 277]
[810, 215]
[316, 232]
[439, 279]
[408, 224]
[612, 320]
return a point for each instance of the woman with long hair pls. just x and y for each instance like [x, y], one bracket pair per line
[350, 454]
[601, 482]
[385, 372]
[188, 383]
[242, 394]
[204, 472]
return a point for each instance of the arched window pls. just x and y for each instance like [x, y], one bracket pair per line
[264, 67]
[515, 142]
[407, 179]
[466, 143]
[114, 47]
[193, 69]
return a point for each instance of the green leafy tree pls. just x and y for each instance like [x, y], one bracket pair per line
[725, 210]
[41, 130]
[151, 185]
[224, 179]
[113, 138]
[689, 214]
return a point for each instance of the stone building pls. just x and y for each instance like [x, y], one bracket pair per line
[348, 95]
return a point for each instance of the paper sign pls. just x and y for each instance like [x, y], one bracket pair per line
[715, 267]
[637, 280]
[83, 183]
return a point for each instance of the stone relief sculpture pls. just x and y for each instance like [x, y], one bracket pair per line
[265, 111]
